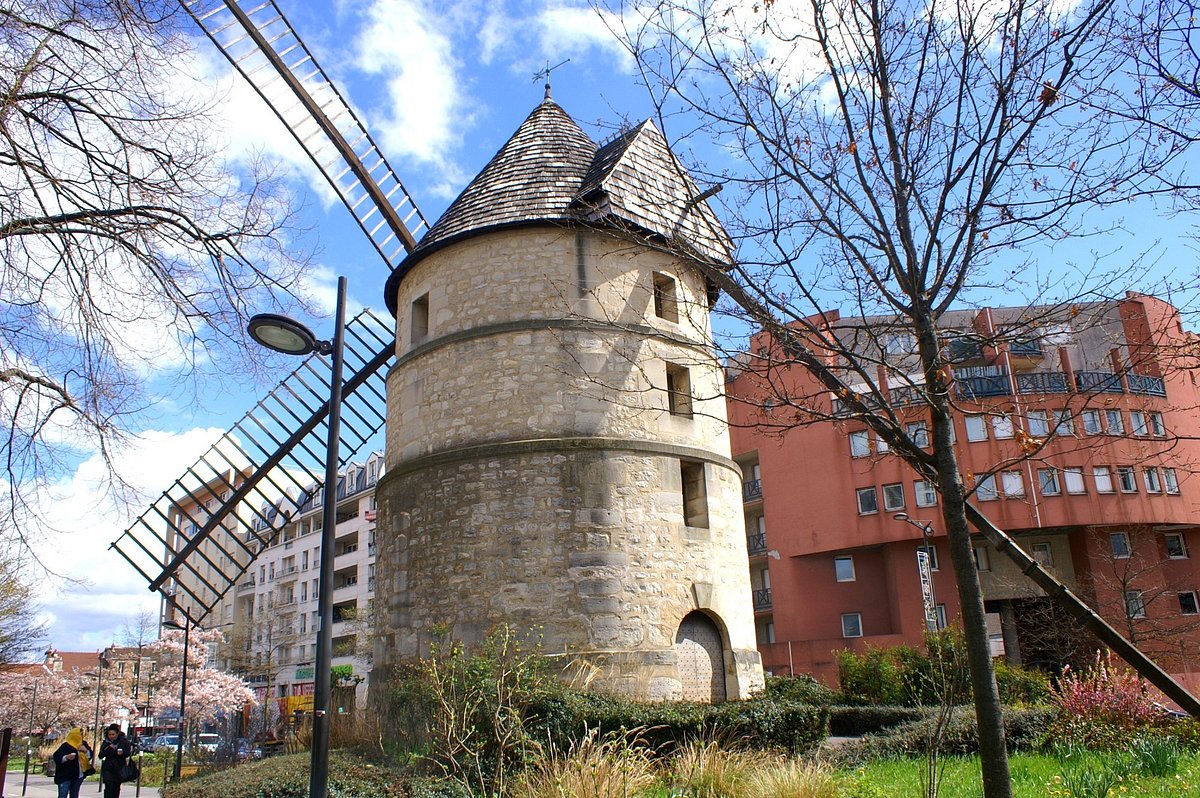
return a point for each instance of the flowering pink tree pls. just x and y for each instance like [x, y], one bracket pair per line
[63, 700]
[210, 692]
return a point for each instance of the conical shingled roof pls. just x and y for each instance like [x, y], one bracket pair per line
[551, 171]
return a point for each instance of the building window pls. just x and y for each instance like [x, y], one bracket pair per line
[1114, 423]
[1037, 424]
[1091, 422]
[1176, 546]
[918, 433]
[1048, 482]
[852, 624]
[1137, 423]
[695, 494]
[893, 496]
[666, 301]
[1126, 478]
[1063, 425]
[881, 445]
[1171, 481]
[867, 501]
[976, 428]
[1153, 483]
[985, 487]
[419, 320]
[940, 612]
[1103, 478]
[931, 552]
[1157, 426]
[843, 568]
[1002, 427]
[925, 493]
[1119, 543]
[1043, 555]
[1073, 479]
[860, 443]
[1012, 483]
[1135, 606]
[679, 391]
[899, 344]
[983, 559]
[1187, 603]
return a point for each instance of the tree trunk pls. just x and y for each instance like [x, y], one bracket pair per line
[993, 753]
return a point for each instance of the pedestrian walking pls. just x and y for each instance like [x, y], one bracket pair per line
[72, 764]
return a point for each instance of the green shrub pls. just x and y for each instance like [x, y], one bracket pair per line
[1022, 686]
[1024, 729]
[803, 689]
[847, 721]
[872, 677]
[562, 718]
[287, 777]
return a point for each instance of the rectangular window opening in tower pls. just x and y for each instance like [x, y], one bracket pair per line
[695, 494]
[419, 320]
[666, 299]
[679, 391]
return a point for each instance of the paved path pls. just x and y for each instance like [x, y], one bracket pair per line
[44, 787]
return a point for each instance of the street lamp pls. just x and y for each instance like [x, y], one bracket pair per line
[290, 337]
[171, 623]
[29, 739]
[928, 597]
[101, 664]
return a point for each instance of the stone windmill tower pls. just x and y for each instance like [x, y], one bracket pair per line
[556, 444]
[557, 455]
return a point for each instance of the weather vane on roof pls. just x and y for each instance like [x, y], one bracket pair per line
[545, 74]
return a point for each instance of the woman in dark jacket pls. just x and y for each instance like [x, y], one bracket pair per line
[72, 760]
[115, 751]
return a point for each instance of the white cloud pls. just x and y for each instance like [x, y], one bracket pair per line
[100, 592]
[402, 42]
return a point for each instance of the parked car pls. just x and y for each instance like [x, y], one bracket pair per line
[245, 751]
[208, 742]
[161, 742]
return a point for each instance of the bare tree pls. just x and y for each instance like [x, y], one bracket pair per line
[129, 251]
[903, 159]
[20, 630]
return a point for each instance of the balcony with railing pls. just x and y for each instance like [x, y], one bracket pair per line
[1041, 382]
[1098, 382]
[762, 599]
[1025, 349]
[981, 386]
[907, 395]
[1146, 385]
[752, 490]
[756, 544]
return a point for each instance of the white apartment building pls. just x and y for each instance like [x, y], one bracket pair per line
[272, 642]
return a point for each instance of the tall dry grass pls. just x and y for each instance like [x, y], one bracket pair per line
[791, 778]
[710, 770]
[596, 767]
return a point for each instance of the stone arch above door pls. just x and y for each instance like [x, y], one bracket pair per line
[700, 654]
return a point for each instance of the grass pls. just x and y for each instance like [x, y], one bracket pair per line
[1033, 776]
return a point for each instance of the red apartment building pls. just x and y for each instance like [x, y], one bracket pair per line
[1109, 502]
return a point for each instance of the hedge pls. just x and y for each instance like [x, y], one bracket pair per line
[561, 719]
[855, 721]
[1024, 730]
[287, 777]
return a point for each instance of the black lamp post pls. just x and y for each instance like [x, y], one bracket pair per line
[186, 626]
[931, 622]
[101, 664]
[29, 739]
[290, 337]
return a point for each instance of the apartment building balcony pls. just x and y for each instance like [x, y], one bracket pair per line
[245, 587]
[1098, 382]
[982, 386]
[906, 395]
[762, 599]
[1146, 385]
[752, 490]
[756, 544]
[1034, 382]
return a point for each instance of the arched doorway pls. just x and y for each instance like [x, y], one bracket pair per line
[699, 652]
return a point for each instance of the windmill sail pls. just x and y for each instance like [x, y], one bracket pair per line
[260, 43]
[197, 541]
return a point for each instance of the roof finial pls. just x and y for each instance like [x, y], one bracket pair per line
[545, 73]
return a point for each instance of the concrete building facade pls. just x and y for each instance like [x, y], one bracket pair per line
[1076, 427]
[557, 453]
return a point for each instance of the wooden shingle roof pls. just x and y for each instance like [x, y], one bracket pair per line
[550, 171]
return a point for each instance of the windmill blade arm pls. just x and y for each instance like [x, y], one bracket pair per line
[258, 36]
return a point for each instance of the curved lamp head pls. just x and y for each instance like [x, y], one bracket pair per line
[900, 516]
[283, 334]
[170, 623]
